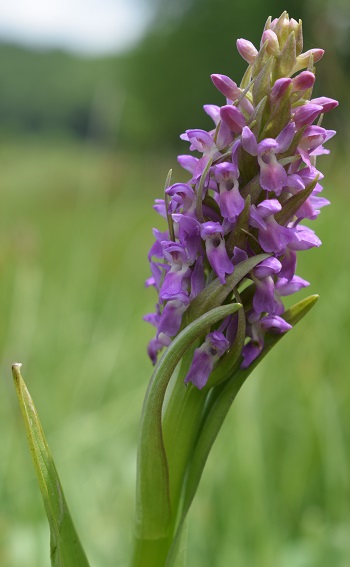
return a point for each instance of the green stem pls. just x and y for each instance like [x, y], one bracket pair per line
[150, 552]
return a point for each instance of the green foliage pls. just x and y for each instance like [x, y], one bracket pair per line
[65, 547]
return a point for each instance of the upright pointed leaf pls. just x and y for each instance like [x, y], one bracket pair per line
[66, 549]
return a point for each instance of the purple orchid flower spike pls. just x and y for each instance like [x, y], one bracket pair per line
[241, 185]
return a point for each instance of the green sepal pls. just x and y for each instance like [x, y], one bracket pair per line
[293, 204]
[287, 58]
[238, 236]
[257, 116]
[65, 547]
[260, 60]
[216, 292]
[279, 27]
[153, 507]
[267, 24]
[166, 201]
[246, 78]
[217, 410]
[262, 83]
[299, 38]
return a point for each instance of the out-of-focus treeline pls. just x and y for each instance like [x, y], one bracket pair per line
[146, 97]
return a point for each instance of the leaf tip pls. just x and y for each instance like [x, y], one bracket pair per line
[16, 370]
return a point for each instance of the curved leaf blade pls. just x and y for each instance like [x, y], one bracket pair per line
[219, 410]
[153, 507]
[65, 547]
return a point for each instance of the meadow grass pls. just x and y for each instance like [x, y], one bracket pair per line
[75, 230]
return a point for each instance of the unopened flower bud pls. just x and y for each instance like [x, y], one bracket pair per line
[279, 88]
[303, 81]
[226, 86]
[326, 103]
[233, 118]
[303, 60]
[306, 114]
[273, 46]
[293, 25]
[247, 50]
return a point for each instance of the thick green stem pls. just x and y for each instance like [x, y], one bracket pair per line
[150, 552]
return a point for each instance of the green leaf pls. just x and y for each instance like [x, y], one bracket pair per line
[216, 292]
[220, 406]
[66, 549]
[153, 508]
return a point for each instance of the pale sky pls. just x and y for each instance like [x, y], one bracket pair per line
[86, 26]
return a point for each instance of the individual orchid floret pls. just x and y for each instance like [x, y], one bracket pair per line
[305, 80]
[306, 114]
[199, 139]
[212, 234]
[326, 103]
[174, 284]
[272, 236]
[170, 319]
[233, 118]
[273, 47]
[304, 59]
[247, 50]
[263, 277]
[257, 331]
[214, 346]
[226, 86]
[273, 176]
[279, 88]
[230, 200]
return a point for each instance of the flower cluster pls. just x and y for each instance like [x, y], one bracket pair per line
[253, 181]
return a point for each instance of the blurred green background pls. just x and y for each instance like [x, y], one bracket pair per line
[85, 145]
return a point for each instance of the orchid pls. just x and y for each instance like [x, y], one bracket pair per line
[220, 265]
[234, 230]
